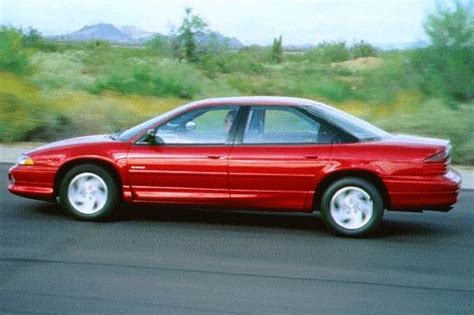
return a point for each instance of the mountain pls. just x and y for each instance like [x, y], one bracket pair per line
[101, 31]
[216, 38]
[135, 33]
[401, 46]
[297, 47]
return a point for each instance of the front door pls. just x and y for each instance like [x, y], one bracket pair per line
[190, 164]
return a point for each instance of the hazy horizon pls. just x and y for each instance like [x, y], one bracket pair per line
[299, 22]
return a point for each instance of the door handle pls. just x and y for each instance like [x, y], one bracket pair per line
[311, 157]
[215, 157]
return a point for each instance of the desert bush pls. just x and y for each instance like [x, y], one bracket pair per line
[109, 112]
[13, 55]
[60, 70]
[250, 61]
[24, 115]
[164, 79]
[328, 52]
[363, 49]
[33, 39]
[381, 84]
[160, 45]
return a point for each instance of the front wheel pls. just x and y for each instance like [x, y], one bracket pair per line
[352, 207]
[88, 192]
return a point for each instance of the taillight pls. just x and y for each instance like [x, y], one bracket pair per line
[438, 157]
[437, 164]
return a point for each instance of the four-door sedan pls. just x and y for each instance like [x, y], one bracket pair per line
[261, 153]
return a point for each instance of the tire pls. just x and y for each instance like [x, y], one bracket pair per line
[88, 192]
[352, 207]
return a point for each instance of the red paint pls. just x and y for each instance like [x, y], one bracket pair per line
[266, 177]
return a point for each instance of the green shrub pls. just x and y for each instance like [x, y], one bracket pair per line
[381, 84]
[244, 61]
[160, 45]
[32, 38]
[164, 79]
[13, 56]
[363, 49]
[445, 72]
[328, 52]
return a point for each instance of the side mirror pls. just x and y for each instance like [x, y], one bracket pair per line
[190, 125]
[153, 137]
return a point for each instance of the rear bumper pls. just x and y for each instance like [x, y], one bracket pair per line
[416, 193]
[31, 182]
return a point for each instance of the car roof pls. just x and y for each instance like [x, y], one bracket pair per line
[257, 100]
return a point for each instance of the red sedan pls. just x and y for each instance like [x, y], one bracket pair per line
[261, 153]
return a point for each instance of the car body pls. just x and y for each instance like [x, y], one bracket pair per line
[276, 154]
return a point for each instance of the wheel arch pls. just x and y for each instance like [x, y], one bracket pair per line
[363, 174]
[107, 165]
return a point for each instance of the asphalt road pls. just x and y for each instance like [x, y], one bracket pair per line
[152, 260]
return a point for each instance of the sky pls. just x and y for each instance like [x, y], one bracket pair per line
[251, 21]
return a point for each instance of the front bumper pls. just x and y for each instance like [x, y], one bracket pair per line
[417, 193]
[34, 182]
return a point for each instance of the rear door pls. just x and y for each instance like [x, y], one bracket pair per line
[277, 159]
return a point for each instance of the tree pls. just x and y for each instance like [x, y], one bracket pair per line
[451, 27]
[277, 50]
[446, 66]
[190, 25]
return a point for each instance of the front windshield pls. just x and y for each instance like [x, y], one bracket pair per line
[132, 132]
[359, 128]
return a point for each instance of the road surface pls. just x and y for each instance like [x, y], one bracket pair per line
[151, 260]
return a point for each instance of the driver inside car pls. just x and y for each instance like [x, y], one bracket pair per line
[229, 120]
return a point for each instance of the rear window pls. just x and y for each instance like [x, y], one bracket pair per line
[357, 127]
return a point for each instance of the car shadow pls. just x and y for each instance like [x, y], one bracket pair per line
[391, 227]
[173, 214]
[401, 227]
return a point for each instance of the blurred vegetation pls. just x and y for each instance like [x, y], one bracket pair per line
[51, 90]
[446, 67]
[13, 54]
[152, 78]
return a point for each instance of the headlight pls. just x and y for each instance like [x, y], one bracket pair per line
[24, 160]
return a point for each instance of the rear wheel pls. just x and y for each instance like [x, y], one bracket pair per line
[352, 207]
[88, 192]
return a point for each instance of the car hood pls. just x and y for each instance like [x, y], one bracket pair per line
[96, 139]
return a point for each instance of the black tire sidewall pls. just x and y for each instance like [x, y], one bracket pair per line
[368, 187]
[112, 192]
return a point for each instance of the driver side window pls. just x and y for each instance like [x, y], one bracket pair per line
[201, 126]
